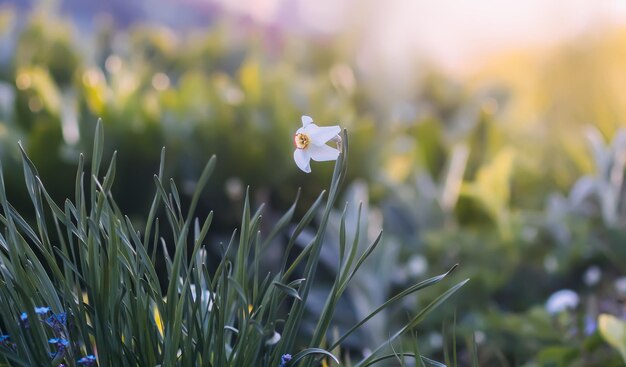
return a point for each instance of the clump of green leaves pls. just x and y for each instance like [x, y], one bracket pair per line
[99, 275]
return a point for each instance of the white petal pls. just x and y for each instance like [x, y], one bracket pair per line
[306, 120]
[322, 153]
[302, 158]
[562, 300]
[321, 135]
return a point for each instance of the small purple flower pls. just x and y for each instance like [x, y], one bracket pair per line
[89, 360]
[284, 359]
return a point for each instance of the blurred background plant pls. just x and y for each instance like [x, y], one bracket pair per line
[487, 146]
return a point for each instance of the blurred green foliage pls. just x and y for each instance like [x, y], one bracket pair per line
[205, 93]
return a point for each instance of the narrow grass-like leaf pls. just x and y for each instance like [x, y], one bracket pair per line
[176, 197]
[360, 261]
[288, 290]
[204, 178]
[154, 206]
[415, 320]
[412, 289]
[109, 178]
[96, 157]
[306, 219]
[311, 352]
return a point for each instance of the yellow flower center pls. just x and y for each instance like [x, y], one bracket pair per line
[301, 141]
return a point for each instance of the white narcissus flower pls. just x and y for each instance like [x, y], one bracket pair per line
[310, 141]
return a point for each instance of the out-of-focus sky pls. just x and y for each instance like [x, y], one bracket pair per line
[393, 38]
[454, 34]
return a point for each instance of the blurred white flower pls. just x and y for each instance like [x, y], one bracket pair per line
[592, 276]
[435, 340]
[551, 264]
[620, 285]
[417, 265]
[479, 336]
[562, 300]
[310, 141]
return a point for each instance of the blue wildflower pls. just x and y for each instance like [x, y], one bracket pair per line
[57, 321]
[284, 359]
[59, 342]
[24, 320]
[89, 360]
[590, 325]
[42, 310]
[5, 342]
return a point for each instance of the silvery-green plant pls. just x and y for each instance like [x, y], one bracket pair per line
[83, 285]
[599, 193]
[606, 184]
